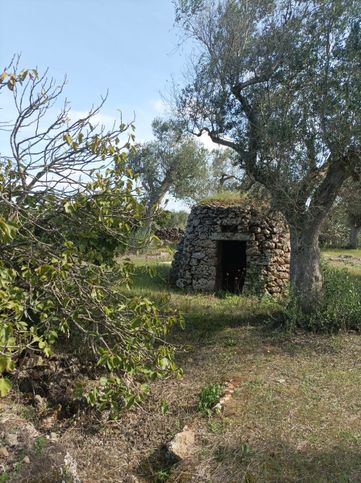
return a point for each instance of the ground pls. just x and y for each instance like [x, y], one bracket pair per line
[294, 414]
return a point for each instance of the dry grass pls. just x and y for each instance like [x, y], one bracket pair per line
[236, 198]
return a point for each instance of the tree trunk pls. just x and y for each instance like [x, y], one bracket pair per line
[353, 236]
[154, 203]
[148, 218]
[306, 279]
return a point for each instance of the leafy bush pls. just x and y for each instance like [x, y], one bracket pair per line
[67, 203]
[340, 306]
[208, 397]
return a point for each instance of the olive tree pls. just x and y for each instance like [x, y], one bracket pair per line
[279, 83]
[173, 163]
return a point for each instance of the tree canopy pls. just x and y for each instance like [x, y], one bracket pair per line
[173, 163]
[279, 83]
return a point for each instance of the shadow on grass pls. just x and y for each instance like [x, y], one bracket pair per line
[211, 318]
[284, 463]
[205, 313]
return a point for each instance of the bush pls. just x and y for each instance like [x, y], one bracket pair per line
[339, 309]
[66, 205]
[172, 219]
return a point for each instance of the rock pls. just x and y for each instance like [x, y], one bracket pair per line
[182, 445]
[12, 439]
[53, 437]
[4, 453]
[71, 467]
[40, 403]
[26, 460]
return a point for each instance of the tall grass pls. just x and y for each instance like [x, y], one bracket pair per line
[339, 308]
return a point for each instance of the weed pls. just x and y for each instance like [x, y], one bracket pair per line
[162, 475]
[208, 397]
[164, 407]
[339, 309]
[39, 445]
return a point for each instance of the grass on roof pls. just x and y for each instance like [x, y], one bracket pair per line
[227, 198]
[233, 198]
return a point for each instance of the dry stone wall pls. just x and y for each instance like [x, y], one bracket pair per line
[196, 261]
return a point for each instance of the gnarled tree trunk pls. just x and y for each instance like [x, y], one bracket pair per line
[306, 278]
[154, 203]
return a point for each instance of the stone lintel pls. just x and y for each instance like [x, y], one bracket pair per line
[230, 236]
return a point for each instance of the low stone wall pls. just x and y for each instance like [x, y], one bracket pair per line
[195, 262]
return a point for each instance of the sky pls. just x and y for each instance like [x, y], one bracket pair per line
[127, 47]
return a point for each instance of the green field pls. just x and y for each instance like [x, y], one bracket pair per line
[344, 258]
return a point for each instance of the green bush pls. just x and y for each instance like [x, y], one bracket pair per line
[65, 208]
[340, 306]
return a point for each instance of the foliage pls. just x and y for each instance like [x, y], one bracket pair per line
[173, 219]
[343, 223]
[227, 197]
[278, 82]
[174, 163]
[339, 309]
[334, 229]
[173, 158]
[208, 397]
[351, 197]
[67, 203]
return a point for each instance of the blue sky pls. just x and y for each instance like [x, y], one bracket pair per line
[127, 46]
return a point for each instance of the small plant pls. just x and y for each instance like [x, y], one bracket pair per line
[162, 475]
[339, 308]
[39, 445]
[4, 477]
[164, 407]
[208, 397]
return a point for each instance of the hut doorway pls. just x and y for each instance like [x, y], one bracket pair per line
[231, 265]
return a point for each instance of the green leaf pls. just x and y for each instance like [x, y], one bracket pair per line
[6, 364]
[68, 139]
[5, 387]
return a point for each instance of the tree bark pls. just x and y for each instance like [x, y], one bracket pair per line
[306, 279]
[153, 204]
[353, 236]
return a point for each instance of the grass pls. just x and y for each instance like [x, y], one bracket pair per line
[337, 257]
[334, 252]
[294, 415]
[227, 198]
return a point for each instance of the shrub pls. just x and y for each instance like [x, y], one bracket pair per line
[67, 202]
[340, 306]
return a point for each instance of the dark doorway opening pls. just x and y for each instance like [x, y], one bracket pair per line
[231, 265]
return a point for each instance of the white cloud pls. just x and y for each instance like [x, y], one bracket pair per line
[159, 106]
[99, 118]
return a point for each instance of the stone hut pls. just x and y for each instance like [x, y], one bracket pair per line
[233, 246]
